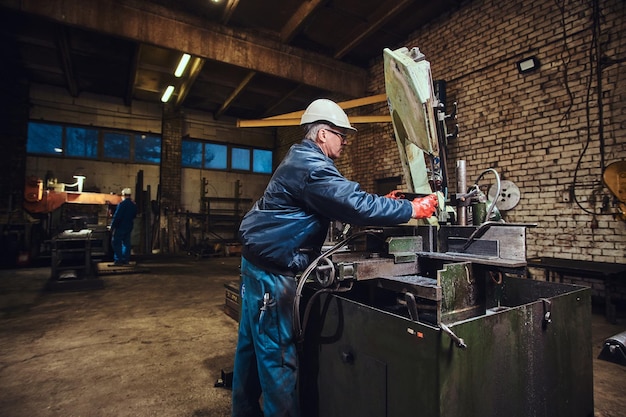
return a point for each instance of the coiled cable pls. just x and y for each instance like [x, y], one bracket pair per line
[298, 325]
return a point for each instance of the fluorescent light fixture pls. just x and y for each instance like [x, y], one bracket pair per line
[58, 150]
[184, 60]
[528, 64]
[167, 94]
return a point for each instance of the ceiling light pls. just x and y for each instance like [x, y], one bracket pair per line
[184, 60]
[167, 94]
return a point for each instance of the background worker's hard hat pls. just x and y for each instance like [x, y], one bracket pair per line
[324, 110]
[126, 191]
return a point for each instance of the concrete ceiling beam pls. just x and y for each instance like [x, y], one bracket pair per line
[138, 21]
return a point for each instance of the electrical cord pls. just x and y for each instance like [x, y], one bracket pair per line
[299, 326]
[566, 61]
[595, 68]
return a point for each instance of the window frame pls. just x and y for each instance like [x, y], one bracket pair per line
[99, 146]
[133, 136]
[229, 156]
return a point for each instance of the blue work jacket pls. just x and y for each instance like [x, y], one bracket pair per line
[124, 216]
[287, 226]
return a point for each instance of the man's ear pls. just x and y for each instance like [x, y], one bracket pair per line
[321, 136]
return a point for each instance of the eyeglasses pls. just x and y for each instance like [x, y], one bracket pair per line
[342, 136]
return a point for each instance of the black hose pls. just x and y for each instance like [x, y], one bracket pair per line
[498, 183]
[298, 326]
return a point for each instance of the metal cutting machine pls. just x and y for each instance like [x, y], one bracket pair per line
[439, 318]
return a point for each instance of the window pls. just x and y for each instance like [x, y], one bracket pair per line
[81, 142]
[44, 138]
[93, 143]
[147, 148]
[261, 161]
[200, 154]
[240, 159]
[215, 156]
[192, 154]
[98, 143]
[116, 145]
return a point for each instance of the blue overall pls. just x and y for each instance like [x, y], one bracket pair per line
[266, 353]
[280, 235]
[122, 227]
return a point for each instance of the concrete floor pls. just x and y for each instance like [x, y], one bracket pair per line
[151, 344]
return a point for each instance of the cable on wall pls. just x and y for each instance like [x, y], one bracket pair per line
[595, 71]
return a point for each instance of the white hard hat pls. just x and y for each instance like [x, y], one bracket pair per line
[126, 191]
[324, 110]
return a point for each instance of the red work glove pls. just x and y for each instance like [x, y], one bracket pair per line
[395, 195]
[424, 207]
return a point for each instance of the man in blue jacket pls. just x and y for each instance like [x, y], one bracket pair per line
[122, 227]
[280, 235]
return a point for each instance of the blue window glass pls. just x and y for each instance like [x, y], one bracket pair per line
[116, 145]
[240, 159]
[147, 148]
[44, 138]
[81, 142]
[262, 161]
[192, 154]
[215, 156]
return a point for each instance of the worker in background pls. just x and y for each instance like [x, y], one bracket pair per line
[122, 227]
[280, 235]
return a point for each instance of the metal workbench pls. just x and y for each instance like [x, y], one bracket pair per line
[556, 268]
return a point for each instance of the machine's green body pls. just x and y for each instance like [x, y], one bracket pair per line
[364, 356]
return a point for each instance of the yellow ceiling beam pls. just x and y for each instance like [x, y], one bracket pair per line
[295, 121]
[293, 118]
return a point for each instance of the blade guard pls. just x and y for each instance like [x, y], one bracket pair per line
[411, 100]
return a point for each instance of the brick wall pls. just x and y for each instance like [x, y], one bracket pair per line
[540, 130]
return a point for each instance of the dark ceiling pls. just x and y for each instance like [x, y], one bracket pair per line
[129, 49]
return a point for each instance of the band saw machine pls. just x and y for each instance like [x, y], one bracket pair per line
[438, 318]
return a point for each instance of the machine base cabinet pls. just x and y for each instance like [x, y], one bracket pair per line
[528, 356]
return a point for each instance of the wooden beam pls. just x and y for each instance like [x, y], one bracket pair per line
[364, 101]
[230, 7]
[350, 104]
[194, 69]
[146, 22]
[298, 18]
[377, 19]
[296, 121]
[65, 58]
[282, 99]
[234, 94]
[132, 76]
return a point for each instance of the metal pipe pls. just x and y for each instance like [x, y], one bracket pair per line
[461, 188]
